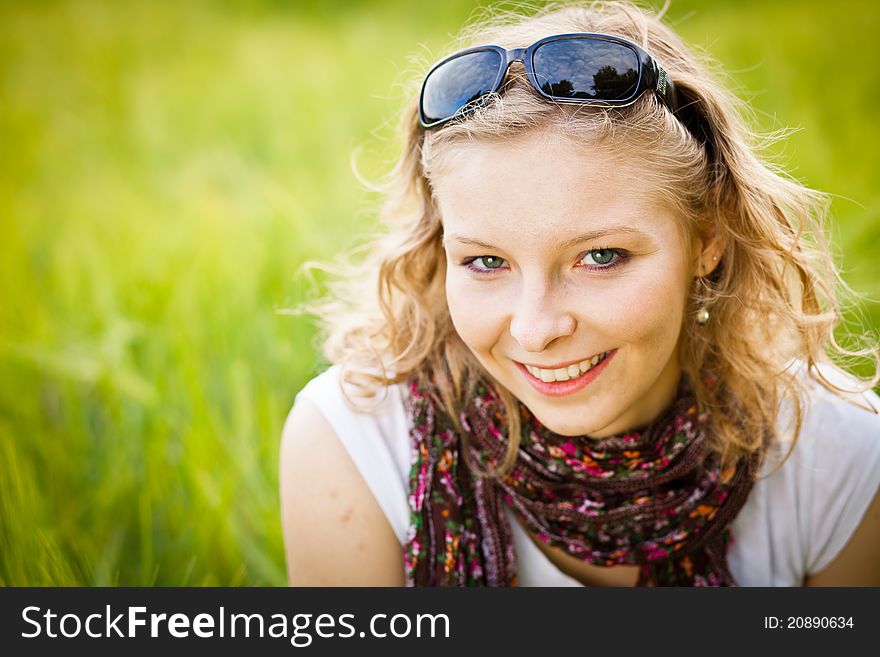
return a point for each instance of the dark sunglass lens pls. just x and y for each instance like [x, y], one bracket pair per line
[458, 82]
[586, 68]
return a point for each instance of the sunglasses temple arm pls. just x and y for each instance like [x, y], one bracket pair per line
[687, 116]
[666, 90]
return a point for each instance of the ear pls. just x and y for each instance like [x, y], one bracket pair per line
[708, 249]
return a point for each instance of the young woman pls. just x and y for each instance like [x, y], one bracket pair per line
[593, 346]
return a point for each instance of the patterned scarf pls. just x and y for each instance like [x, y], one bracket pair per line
[658, 498]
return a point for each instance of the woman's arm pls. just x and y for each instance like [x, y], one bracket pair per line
[858, 564]
[335, 533]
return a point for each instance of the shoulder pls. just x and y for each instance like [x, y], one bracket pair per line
[839, 431]
[834, 471]
[335, 531]
[375, 435]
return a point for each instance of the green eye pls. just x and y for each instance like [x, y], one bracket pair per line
[484, 264]
[602, 256]
[491, 262]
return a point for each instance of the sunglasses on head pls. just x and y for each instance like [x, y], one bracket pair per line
[591, 69]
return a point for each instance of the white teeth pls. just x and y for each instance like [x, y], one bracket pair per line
[565, 373]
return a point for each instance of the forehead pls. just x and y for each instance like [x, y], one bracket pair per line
[543, 189]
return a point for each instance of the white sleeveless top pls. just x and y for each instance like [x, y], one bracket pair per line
[793, 523]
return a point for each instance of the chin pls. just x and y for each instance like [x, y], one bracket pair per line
[568, 427]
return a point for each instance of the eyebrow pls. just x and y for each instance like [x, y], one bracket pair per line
[574, 241]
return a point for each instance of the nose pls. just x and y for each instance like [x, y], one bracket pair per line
[539, 319]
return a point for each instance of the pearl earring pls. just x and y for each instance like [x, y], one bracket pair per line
[703, 313]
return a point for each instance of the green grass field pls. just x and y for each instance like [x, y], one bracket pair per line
[165, 168]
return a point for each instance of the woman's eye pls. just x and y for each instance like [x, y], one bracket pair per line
[484, 263]
[601, 258]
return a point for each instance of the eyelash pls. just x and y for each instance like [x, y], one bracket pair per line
[622, 257]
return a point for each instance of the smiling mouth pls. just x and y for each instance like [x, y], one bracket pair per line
[567, 373]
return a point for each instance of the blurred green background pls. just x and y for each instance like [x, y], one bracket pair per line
[165, 168]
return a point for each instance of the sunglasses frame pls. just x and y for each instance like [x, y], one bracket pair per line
[651, 75]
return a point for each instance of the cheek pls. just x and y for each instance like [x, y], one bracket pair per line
[476, 314]
[644, 311]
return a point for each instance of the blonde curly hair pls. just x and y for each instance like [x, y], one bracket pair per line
[775, 296]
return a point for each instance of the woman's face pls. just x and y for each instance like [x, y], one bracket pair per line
[556, 259]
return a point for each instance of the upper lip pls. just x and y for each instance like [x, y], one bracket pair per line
[561, 365]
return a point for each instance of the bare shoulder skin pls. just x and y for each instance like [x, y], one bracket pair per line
[335, 533]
